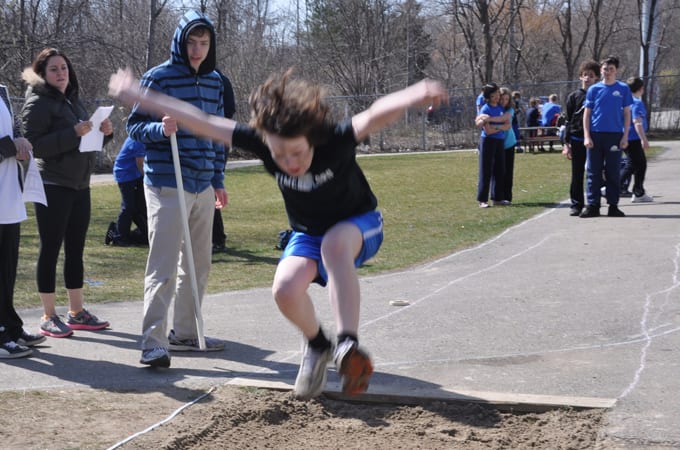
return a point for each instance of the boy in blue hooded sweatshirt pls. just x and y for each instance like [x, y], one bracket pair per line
[188, 75]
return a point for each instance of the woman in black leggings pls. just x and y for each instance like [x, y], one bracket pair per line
[53, 120]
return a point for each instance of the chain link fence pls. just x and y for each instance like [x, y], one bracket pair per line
[450, 128]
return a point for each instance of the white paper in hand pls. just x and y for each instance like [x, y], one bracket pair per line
[33, 185]
[94, 140]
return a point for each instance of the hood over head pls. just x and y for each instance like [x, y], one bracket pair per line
[178, 47]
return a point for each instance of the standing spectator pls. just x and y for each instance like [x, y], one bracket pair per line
[128, 171]
[519, 107]
[329, 202]
[189, 75]
[509, 144]
[520, 117]
[480, 101]
[606, 124]
[15, 342]
[549, 115]
[637, 143]
[574, 149]
[491, 151]
[533, 121]
[54, 119]
[219, 237]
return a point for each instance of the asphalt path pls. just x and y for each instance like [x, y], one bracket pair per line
[554, 311]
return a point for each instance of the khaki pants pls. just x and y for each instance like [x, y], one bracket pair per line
[167, 269]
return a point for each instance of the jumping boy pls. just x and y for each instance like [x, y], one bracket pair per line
[329, 202]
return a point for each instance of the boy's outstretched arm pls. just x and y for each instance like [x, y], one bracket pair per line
[124, 87]
[391, 107]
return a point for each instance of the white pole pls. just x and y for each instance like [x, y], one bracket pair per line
[187, 240]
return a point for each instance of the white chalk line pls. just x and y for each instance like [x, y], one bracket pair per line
[536, 353]
[647, 338]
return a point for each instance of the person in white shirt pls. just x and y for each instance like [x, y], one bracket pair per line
[15, 342]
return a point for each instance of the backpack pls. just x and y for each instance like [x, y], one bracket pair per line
[283, 238]
[555, 118]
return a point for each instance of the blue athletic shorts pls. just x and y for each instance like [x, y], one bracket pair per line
[371, 226]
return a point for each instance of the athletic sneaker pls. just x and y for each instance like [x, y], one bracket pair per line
[55, 327]
[11, 349]
[191, 345]
[311, 377]
[614, 211]
[644, 198]
[110, 233]
[84, 320]
[155, 357]
[575, 211]
[354, 366]
[590, 211]
[29, 340]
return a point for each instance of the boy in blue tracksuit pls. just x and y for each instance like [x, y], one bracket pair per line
[638, 143]
[606, 123]
[188, 75]
[128, 172]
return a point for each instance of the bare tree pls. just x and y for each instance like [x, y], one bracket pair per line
[155, 9]
[479, 21]
[574, 26]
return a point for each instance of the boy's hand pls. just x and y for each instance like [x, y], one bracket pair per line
[430, 92]
[169, 125]
[124, 87]
[221, 198]
[566, 150]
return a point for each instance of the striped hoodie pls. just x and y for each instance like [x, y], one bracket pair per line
[202, 161]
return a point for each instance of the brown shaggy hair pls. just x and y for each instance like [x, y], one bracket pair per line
[590, 65]
[289, 108]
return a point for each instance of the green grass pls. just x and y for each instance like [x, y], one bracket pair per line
[428, 202]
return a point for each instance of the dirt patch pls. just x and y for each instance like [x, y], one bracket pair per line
[248, 418]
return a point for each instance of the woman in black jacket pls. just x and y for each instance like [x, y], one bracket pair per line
[54, 120]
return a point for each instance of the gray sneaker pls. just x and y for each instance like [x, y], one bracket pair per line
[191, 345]
[85, 320]
[155, 357]
[311, 377]
[55, 327]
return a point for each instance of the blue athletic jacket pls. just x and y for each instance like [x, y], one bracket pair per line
[202, 161]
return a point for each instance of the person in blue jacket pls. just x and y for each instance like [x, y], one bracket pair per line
[494, 124]
[606, 124]
[188, 75]
[219, 236]
[637, 143]
[549, 114]
[128, 171]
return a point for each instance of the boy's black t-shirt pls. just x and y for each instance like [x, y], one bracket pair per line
[333, 189]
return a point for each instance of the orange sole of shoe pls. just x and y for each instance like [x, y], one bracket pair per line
[356, 371]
